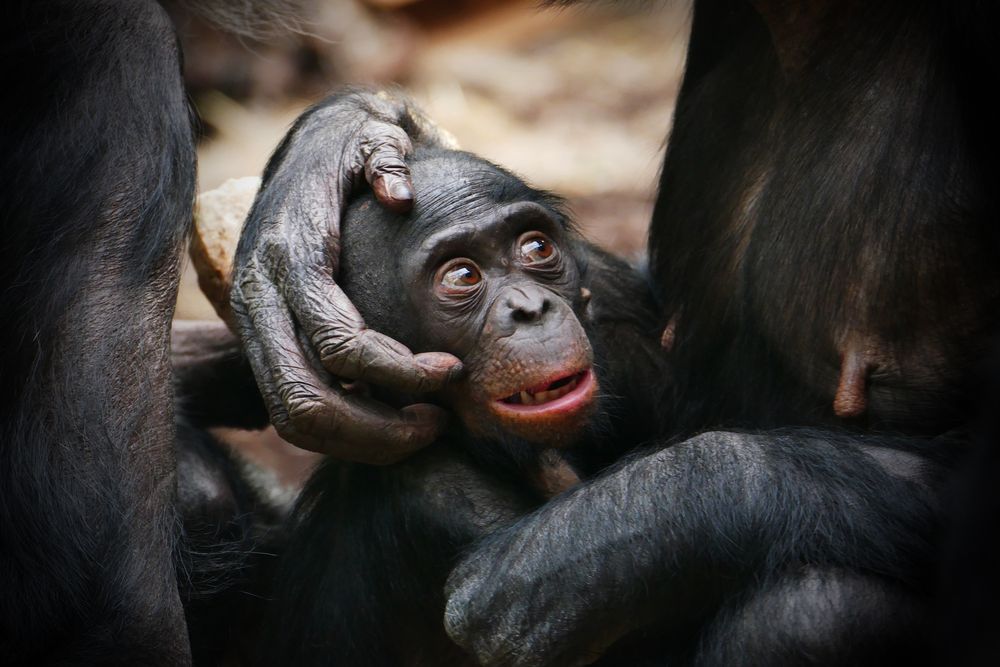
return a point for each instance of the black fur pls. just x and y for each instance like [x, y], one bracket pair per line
[98, 169]
[232, 514]
[848, 191]
[231, 533]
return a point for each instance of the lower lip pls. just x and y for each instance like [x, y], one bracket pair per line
[580, 397]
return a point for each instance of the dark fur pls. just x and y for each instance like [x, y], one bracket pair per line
[232, 514]
[98, 169]
[231, 533]
[97, 162]
[873, 150]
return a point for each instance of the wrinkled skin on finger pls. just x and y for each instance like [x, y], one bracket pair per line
[302, 335]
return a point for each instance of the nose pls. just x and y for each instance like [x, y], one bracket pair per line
[526, 304]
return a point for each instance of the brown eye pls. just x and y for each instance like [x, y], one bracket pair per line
[536, 248]
[460, 275]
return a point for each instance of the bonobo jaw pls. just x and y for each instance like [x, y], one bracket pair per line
[484, 268]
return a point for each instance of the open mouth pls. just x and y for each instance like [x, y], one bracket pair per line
[564, 393]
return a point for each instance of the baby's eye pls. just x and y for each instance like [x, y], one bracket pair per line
[535, 248]
[460, 274]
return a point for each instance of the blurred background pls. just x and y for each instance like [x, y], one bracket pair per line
[576, 100]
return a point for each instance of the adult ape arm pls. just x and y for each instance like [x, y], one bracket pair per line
[299, 330]
[213, 382]
[668, 536]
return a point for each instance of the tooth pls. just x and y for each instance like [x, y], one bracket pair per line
[526, 398]
[545, 396]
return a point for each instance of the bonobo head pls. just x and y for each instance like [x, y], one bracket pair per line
[484, 268]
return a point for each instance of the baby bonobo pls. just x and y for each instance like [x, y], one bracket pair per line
[559, 348]
[488, 270]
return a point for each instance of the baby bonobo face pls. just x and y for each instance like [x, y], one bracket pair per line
[498, 292]
[484, 268]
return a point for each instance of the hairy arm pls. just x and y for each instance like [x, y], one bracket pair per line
[670, 534]
[213, 383]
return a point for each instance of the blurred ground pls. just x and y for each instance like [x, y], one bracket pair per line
[576, 100]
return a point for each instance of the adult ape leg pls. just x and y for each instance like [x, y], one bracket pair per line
[97, 163]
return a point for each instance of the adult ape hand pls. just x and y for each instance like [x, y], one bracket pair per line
[303, 337]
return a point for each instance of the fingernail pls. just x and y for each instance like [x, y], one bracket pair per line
[400, 190]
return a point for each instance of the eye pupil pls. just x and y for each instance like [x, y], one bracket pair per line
[463, 275]
[537, 249]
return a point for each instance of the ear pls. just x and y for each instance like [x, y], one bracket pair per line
[218, 221]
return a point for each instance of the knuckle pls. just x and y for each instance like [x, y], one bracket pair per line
[304, 409]
[337, 349]
[272, 248]
[398, 137]
[280, 420]
[408, 439]
[388, 163]
[283, 425]
[384, 142]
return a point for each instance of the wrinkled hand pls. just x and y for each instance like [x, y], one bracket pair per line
[300, 332]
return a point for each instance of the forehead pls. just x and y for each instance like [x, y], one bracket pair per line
[466, 195]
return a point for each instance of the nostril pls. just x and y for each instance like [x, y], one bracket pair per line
[526, 306]
[521, 314]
